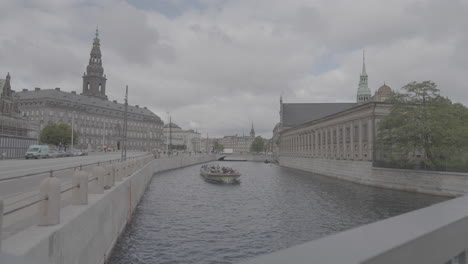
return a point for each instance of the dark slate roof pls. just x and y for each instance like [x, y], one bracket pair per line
[82, 100]
[301, 113]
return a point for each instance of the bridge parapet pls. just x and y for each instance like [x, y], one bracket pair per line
[86, 233]
[433, 235]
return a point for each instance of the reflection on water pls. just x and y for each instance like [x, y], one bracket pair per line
[184, 219]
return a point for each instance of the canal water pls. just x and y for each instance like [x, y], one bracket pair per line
[184, 219]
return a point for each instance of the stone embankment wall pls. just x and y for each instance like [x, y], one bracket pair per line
[87, 233]
[362, 172]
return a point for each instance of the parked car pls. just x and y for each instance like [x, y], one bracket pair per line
[52, 154]
[37, 152]
[61, 154]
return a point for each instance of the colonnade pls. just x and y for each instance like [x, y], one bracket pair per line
[351, 140]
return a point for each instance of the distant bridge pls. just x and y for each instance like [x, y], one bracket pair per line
[243, 157]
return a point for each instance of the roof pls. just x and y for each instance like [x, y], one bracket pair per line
[173, 125]
[296, 114]
[385, 89]
[82, 100]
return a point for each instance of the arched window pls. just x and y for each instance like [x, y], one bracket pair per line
[87, 88]
[100, 88]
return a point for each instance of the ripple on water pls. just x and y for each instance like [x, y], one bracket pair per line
[184, 219]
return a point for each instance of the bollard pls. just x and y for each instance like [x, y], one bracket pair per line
[130, 167]
[80, 193]
[109, 176]
[49, 207]
[99, 172]
[1, 223]
[118, 171]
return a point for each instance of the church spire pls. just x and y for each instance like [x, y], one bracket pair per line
[94, 80]
[363, 93]
[252, 131]
[364, 63]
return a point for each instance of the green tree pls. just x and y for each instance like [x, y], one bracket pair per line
[58, 135]
[257, 145]
[423, 127]
[218, 146]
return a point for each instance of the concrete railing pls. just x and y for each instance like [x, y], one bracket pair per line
[103, 176]
[86, 231]
[437, 234]
[52, 195]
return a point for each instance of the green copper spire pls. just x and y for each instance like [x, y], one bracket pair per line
[363, 93]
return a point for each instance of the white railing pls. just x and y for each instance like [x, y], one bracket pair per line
[437, 234]
[46, 203]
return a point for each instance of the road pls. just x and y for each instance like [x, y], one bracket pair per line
[11, 171]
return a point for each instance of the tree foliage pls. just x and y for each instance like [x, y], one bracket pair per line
[218, 146]
[424, 128]
[258, 145]
[58, 135]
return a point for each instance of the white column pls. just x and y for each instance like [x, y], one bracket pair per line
[338, 151]
[326, 143]
[345, 150]
[360, 155]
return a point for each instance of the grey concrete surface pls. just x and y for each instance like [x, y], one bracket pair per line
[18, 168]
[432, 235]
[87, 233]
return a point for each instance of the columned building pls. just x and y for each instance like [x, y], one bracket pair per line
[98, 122]
[348, 134]
[332, 130]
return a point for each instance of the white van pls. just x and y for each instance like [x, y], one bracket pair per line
[37, 152]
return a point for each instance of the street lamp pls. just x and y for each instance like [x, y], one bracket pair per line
[40, 131]
[73, 128]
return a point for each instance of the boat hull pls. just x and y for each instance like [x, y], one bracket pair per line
[218, 177]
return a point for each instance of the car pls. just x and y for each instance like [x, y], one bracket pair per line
[52, 154]
[37, 152]
[61, 154]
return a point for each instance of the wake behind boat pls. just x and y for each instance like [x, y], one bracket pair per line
[219, 174]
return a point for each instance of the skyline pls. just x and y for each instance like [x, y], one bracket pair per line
[219, 65]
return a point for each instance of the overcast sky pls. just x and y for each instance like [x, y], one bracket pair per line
[218, 65]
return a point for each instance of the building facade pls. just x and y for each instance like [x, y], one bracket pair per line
[98, 122]
[178, 139]
[345, 135]
[293, 115]
[16, 133]
[238, 144]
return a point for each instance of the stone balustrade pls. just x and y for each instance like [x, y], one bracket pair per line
[87, 231]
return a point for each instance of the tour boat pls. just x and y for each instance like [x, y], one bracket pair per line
[219, 174]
